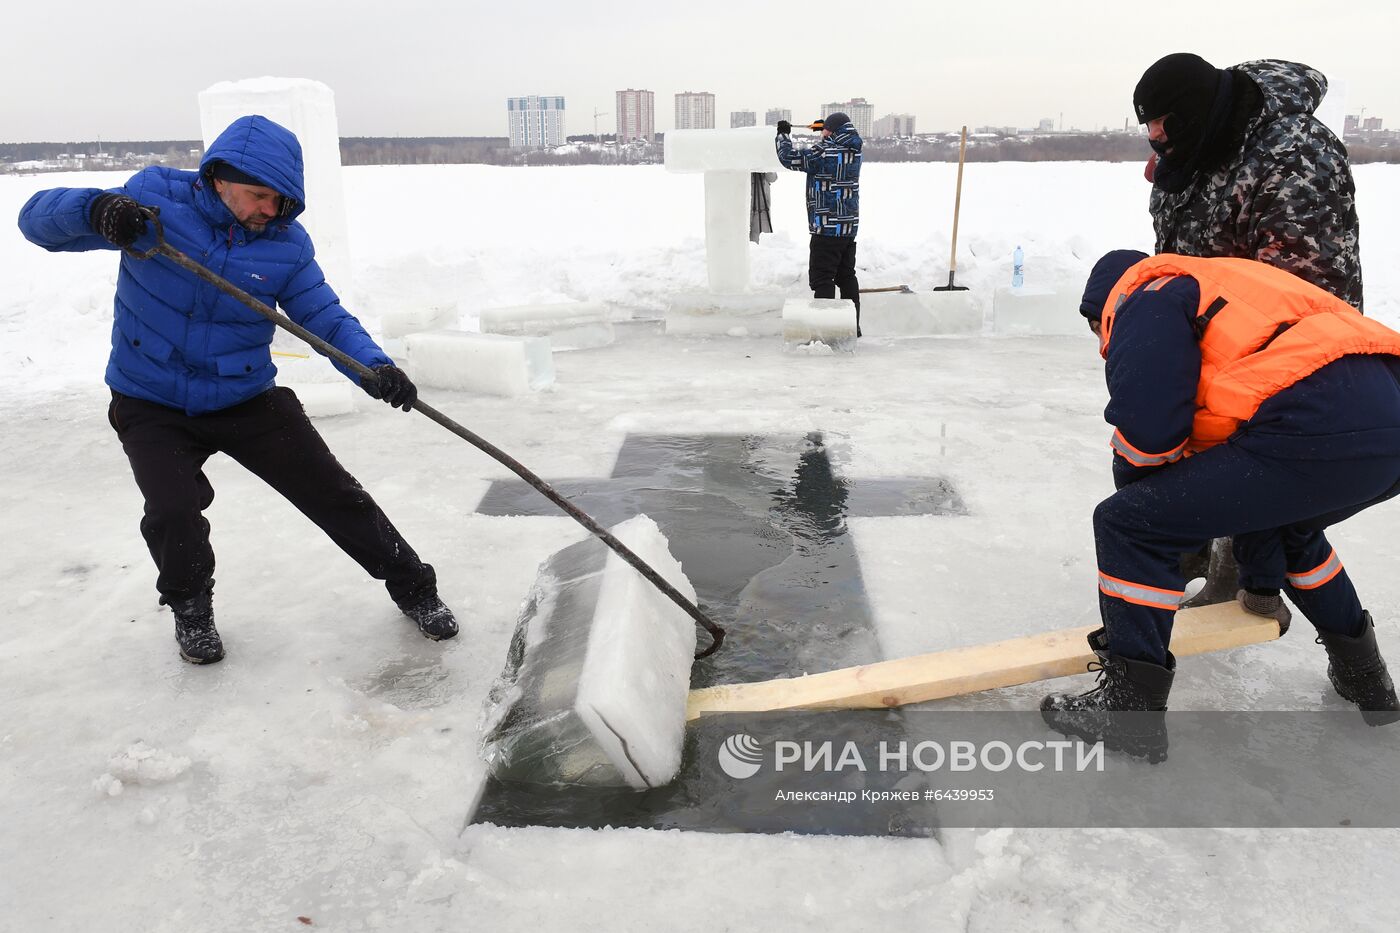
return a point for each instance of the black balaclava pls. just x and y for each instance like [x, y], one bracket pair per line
[1195, 98]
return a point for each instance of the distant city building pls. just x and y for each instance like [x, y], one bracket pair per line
[1351, 124]
[1372, 125]
[861, 112]
[772, 117]
[742, 118]
[1047, 125]
[894, 124]
[695, 110]
[535, 122]
[636, 115]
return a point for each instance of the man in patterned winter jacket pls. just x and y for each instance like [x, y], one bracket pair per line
[191, 368]
[832, 167]
[1241, 168]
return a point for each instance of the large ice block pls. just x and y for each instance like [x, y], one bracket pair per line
[744, 314]
[307, 108]
[595, 684]
[897, 314]
[745, 149]
[487, 363]
[1039, 311]
[954, 312]
[400, 322]
[569, 325]
[829, 321]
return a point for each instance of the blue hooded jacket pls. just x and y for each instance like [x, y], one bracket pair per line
[176, 340]
[833, 180]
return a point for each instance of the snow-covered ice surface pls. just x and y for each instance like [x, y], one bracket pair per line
[326, 768]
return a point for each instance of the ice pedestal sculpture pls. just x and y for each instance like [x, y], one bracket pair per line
[486, 363]
[595, 684]
[1036, 311]
[828, 321]
[569, 325]
[727, 158]
[307, 108]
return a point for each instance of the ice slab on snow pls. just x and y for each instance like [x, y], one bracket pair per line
[745, 149]
[829, 321]
[400, 322]
[894, 314]
[569, 325]
[1040, 311]
[741, 314]
[487, 363]
[307, 108]
[595, 684]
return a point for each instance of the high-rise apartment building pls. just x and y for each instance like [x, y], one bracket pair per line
[535, 122]
[861, 112]
[894, 124]
[636, 115]
[739, 118]
[695, 110]
[772, 117]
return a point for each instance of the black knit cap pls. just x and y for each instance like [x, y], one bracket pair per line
[1182, 83]
[835, 121]
[225, 171]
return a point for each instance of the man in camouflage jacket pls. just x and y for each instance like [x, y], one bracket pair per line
[1243, 168]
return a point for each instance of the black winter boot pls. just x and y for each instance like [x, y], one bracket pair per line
[1126, 710]
[1358, 672]
[194, 628]
[434, 619]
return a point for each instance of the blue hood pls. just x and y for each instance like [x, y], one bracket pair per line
[267, 151]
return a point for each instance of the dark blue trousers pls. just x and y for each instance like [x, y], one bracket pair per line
[1276, 510]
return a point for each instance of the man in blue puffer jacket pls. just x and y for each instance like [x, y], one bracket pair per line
[191, 368]
[832, 167]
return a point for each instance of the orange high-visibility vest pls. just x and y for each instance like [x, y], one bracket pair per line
[1261, 329]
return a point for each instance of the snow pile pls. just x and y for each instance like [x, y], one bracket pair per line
[139, 763]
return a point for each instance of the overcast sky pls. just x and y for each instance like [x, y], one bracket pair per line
[79, 69]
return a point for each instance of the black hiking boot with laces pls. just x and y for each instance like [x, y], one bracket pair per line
[1126, 710]
[1359, 675]
[433, 617]
[194, 628]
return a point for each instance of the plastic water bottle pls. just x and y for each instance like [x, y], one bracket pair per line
[1018, 259]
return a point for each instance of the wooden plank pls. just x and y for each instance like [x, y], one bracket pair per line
[969, 670]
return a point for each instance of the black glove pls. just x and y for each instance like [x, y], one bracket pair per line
[784, 127]
[117, 218]
[392, 385]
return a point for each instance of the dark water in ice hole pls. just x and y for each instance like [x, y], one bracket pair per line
[759, 524]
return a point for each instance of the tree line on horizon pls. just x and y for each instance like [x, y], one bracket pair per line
[495, 150]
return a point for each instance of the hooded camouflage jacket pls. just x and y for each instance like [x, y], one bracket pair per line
[1285, 195]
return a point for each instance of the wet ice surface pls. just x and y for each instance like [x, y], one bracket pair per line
[758, 523]
[332, 754]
